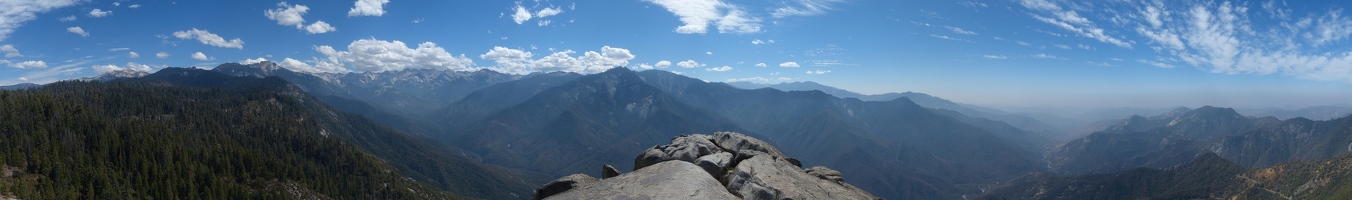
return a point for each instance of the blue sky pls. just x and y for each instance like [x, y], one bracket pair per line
[998, 53]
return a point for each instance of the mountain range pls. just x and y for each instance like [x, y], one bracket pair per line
[484, 134]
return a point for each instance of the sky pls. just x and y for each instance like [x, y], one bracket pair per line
[1012, 53]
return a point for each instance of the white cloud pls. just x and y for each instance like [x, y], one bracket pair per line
[960, 30]
[116, 4]
[757, 42]
[293, 15]
[698, 14]
[162, 55]
[521, 14]
[380, 55]
[78, 31]
[689, 64]
[719, 69]
[134, 6]
[1044, 56]
[1156, 64]
[200, 56]
[645, 66]
[319, 27]
[760, 64]
[1062, 46]
[994, 56]
[14, 13]
[10, 51]
[804, 8]
[119, 49]
[662, 64]
[99, 13]
[516, 61]
[548, 11]
[708, 53]
[253, 61]
[287, 15]
[67, 18]
[788, 64]
[783, 79]
[209, 39]
[133, 54]
[749, 79]
[819, 72]
[32, 64]
[1071, 21]
[320, 66]
[368, 8]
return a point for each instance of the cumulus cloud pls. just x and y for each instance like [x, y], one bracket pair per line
[133, 54]
[521, 14]
[518, 61]
[200, 56]
[689, 64]
[804, 8]
[162, 55]
[78, 31]
[287, 15]
[134, 6]
[208, 38]
[548, 11]
[788, 64]
[368, 8]
[293, 15]
[662, 64]
[67, 18]
[319, 27]
[760, 64]
[819, 72]
[96, 13]
[10, 51]
[14, 13]
[381, 55]
[719, 69]
[251, 61]
[699, 14]
[32, 64]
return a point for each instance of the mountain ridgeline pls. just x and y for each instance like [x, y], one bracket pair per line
[185, 132]
[262, 131]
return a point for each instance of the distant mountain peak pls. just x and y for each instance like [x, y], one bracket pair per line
[123, 73]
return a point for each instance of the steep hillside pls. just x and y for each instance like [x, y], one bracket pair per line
[1207, 177]
[145, 140]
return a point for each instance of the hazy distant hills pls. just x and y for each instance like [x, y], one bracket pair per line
[1206, 177]
[1174, 138]
[1326, 112]
[1020, 121]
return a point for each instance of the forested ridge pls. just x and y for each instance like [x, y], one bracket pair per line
[154, 140]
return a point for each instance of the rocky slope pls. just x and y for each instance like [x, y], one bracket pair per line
[725, 165]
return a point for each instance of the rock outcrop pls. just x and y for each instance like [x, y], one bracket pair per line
[725, 165]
